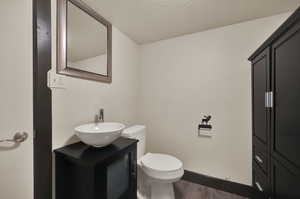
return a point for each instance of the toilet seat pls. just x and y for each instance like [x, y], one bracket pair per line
[162, 166]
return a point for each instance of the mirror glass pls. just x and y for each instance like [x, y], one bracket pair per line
[86, 42]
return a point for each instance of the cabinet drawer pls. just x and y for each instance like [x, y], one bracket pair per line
[260, 156]
[260, 180]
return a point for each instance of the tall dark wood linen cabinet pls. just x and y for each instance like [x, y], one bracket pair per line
[276, 112]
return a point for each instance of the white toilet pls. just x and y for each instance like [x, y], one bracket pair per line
[156, 172]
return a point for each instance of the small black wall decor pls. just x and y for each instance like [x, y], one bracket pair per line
[205, 123]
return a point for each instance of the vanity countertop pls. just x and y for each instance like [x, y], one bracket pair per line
[84, 154]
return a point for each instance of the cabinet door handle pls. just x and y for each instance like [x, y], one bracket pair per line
[269, 99]
[266, 100]
[134, 168]
[259, 187]
[133, 165]
[259, 159]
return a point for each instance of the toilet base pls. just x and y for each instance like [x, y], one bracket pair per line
[159, 191]
[162, 191]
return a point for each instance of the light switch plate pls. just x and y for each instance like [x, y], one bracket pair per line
[55, 80]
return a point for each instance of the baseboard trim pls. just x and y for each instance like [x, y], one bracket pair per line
[220, 184]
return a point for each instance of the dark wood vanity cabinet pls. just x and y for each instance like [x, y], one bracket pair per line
[84, 172]
[276, 112]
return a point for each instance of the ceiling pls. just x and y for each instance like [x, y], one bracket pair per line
[147, 21]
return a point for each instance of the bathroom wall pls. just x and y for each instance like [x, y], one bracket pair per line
[81, 99]
[187, 77]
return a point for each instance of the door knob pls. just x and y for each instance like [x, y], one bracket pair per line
[18, 138]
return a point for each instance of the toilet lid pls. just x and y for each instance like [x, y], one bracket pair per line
[161, 162]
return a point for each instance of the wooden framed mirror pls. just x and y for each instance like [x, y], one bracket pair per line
[84, 42]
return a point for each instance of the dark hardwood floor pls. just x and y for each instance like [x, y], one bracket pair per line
[188, 190]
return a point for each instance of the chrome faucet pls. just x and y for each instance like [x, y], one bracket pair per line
[99, 118]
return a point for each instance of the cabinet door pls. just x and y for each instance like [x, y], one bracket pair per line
[122, 176]
[260, 85]
[286, 183]
[286, 85]
[118, 176]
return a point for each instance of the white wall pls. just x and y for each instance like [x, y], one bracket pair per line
[81, 99]
[204, 73]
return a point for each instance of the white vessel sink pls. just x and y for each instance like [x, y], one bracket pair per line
[99, 134]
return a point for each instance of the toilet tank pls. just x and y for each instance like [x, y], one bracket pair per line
[137, 132]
